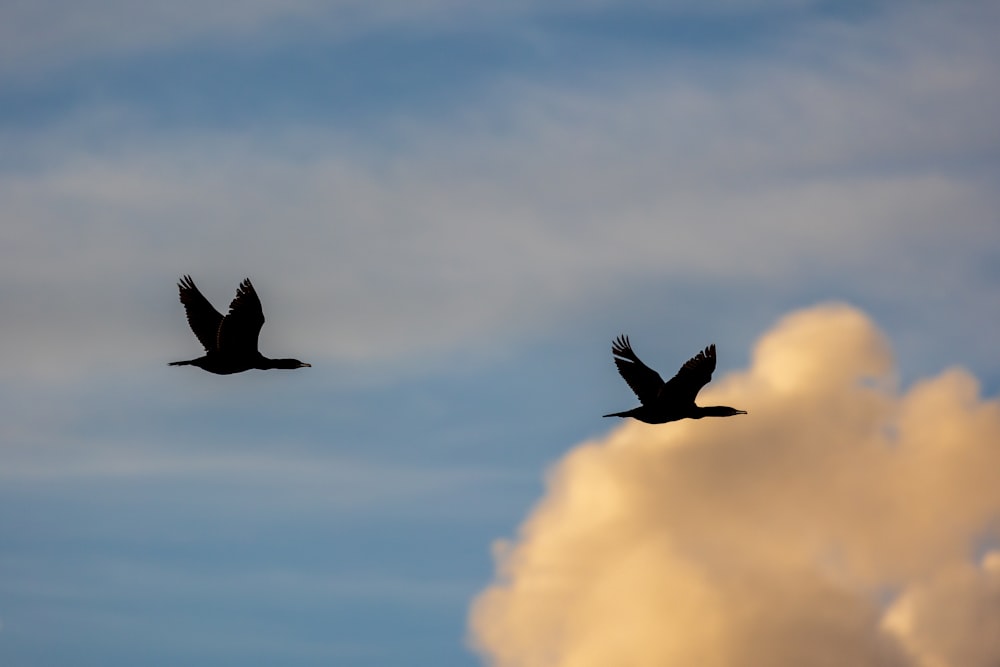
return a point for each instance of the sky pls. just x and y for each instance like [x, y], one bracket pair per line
[450, 209]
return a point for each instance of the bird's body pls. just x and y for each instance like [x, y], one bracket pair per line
[223, 364]
[664, 402]
[230, 342]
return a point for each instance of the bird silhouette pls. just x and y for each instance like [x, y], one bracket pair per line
[664, 402]
[231, 341]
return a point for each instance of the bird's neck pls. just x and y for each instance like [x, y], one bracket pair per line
[716, 411]
[267, 364]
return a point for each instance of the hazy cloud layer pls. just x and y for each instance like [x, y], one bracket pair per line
[841, 522]
[36, 37]
[523, 204]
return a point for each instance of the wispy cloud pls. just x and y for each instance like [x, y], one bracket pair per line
[520, 205]
[223, 476]
[38, 37]
[771, 540]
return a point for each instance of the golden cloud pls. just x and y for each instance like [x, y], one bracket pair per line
[815, 531]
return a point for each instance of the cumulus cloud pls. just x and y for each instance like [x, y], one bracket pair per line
[826, 528]
[953, 617]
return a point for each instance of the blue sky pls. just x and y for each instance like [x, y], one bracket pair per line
[449, 209]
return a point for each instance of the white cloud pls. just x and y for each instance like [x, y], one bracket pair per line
[764, 540]
[952, 619]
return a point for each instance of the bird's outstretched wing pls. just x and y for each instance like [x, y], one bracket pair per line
[202, 316]
[692, 376]
[241, 326]
[644, 381]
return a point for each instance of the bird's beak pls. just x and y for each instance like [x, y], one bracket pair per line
[305, 365]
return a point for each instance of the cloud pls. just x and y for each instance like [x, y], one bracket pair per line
[534, 200]
[771, 539]
[228, 474]
[45, 35]
[953, 617]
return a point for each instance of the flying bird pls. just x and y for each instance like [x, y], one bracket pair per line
[231, 341]
[664, 402]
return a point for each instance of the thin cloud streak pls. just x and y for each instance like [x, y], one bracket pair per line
[224, 476]
[248, 584]
[40, 37]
